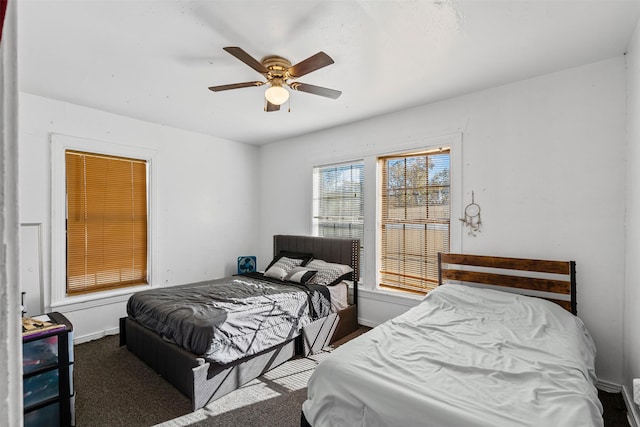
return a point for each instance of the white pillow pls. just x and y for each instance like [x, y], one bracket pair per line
[282, 267]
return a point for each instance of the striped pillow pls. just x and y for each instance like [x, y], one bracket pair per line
[300, 275]
[328, 274]
[282, 267]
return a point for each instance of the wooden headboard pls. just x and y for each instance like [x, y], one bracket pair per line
[549, 277]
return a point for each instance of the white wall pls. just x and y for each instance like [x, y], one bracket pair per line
[545, 158]
[10, 338]
[632, 279]
[204, 217]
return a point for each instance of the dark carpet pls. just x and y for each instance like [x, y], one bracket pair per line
[615, 411]
[114, 388]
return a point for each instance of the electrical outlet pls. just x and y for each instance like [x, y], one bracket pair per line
[636, 391]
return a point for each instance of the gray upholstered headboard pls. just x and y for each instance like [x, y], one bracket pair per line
[341, 251]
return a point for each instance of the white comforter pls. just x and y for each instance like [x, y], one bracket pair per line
[463, 357]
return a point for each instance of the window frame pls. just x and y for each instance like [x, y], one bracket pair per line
[314, 199]
[369, 154]
[58, 298]
[390, 222]
[454, 143]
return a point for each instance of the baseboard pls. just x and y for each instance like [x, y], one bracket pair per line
[609, 387]
[95, 336]
[632, 410]
[365, 322]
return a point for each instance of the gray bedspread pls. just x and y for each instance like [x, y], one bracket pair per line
[227, 319]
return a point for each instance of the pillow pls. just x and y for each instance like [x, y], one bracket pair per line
[300, 275]
[280, 268]
[305, 257]
[328, 274]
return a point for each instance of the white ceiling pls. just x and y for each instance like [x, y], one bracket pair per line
[154, 59]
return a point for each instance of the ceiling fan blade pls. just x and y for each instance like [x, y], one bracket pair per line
[316, 90]
[247, 59]
[234, 86]
[310, 64]
[271, 107]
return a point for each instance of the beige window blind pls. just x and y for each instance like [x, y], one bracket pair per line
[415, 219]
[106, 222]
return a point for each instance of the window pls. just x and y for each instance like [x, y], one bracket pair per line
[415, 218]
[338, 202]
[106, 225]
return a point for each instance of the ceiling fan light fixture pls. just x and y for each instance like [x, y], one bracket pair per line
[277, 72]
[277, 95]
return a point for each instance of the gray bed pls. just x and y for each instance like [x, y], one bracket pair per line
[203, 380]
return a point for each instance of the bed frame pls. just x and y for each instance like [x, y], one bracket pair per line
[203, 381]
[551, 280]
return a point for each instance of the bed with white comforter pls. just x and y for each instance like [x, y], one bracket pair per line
[464, 356]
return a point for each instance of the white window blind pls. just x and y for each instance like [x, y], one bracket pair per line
[415, 218]
[338, 202]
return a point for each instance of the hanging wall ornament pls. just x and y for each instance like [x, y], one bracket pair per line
[472, 217]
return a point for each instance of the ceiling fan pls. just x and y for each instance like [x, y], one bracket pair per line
[279, 72]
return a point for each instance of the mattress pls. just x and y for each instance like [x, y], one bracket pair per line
[463, 357]
[227, 319]
[339, 296]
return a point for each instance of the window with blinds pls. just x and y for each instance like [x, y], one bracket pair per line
[338, 202]
[415, 218]
[106, 222]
